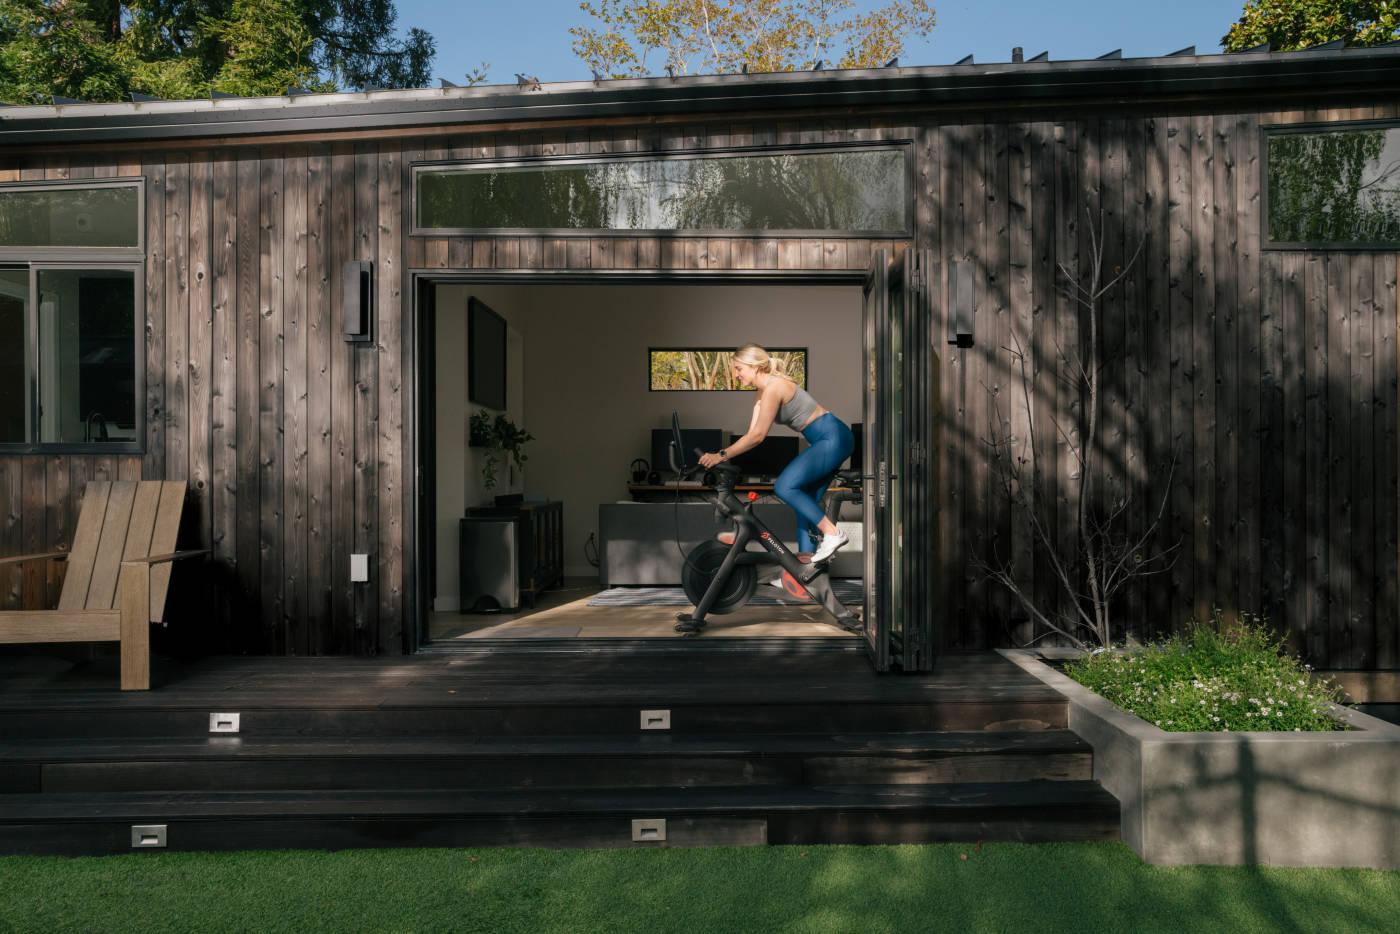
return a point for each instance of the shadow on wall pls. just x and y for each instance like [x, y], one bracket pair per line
[1266, 422]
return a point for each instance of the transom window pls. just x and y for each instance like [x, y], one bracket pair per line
[859, 192]
[1337, 188]
[65, 216]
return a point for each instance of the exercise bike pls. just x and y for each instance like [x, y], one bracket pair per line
[722, 574]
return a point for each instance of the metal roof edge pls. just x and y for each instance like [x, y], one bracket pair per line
[1227, 73]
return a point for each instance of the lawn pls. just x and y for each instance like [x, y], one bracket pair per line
[1001, 887]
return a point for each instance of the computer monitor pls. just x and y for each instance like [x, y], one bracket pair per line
[769, 458]
[706, 439]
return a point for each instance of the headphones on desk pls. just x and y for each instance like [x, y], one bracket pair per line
[640, 470]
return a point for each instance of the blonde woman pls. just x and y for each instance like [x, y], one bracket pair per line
[803, 483]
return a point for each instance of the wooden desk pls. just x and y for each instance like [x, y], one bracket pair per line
[666, 492]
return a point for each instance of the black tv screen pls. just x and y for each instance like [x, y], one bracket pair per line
[486, 355]
[769, 458]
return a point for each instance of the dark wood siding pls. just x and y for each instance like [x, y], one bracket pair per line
[1254, 390]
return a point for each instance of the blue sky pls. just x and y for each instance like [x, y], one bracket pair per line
[533, 35]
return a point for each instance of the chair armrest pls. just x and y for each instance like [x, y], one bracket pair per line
[173, 556]
[45, 556]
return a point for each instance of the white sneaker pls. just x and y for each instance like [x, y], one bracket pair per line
[829, 545]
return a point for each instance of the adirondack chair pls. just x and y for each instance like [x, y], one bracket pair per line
[117, 576]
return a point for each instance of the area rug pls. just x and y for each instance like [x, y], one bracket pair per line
[847, 591]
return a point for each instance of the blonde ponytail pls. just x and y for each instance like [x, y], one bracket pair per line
[760, 359]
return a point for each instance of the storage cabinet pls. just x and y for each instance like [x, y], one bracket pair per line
[509, 554]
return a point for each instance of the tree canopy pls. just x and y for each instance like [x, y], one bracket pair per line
[636, 38]
[103, 50]
[1297, 24]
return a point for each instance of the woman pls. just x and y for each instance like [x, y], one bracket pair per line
[803, 483]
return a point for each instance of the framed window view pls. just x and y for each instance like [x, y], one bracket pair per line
[71, 357]
[707, 369]
[1332, 187]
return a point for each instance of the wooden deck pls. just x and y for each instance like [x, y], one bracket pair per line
[530, 747]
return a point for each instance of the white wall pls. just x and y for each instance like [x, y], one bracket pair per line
[586, 397]
[458, 465]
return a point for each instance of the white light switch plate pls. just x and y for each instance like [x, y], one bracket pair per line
[359, 569]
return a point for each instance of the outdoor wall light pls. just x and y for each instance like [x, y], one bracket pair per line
[960, 304]
[357, 300]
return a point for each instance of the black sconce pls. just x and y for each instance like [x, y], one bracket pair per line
[960, 304]
[357, 300]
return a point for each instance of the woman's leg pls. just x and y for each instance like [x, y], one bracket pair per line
[804, 481]
[795, 486]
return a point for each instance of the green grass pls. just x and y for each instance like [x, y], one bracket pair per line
[1214, 677]
[947, 887]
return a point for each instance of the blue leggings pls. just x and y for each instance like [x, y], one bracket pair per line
[803, 483]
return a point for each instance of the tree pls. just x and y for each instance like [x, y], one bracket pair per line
[1108, 556]
[103, 50]
[629, 38]
[1297, 24]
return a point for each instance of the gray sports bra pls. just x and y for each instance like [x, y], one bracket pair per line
[797, 412]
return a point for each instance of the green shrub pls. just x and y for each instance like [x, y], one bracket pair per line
[1214, 677]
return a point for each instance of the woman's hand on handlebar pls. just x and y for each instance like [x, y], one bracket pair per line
[709, 460]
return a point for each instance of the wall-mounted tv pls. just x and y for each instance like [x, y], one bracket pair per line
[486, 355]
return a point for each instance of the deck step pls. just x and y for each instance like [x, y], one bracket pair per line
[689, 715]
[97, 823]
[638, 761]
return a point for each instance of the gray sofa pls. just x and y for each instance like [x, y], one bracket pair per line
[637, 541]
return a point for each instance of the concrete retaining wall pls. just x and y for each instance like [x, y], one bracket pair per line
[1282, 799]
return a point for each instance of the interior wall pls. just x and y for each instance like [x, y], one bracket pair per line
[459, 482]
[586, 388]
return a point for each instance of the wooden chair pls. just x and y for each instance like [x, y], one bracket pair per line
[117, 576]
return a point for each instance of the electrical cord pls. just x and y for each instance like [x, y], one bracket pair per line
[591, 545]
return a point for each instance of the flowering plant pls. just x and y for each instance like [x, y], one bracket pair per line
[1213, 677]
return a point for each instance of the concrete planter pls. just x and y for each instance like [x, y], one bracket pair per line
[1282, 799]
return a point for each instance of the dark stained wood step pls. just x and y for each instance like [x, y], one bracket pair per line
[75, 824]
[648, 760]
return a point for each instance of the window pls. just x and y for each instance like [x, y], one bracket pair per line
[854, 191]
[71, 216]
[1334, 188]
[70, 356]
[708, 369]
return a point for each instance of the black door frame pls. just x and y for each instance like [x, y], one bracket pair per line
[420, 466]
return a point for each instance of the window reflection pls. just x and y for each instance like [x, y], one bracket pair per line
[859, 191]
[1336, 187]
[70, 217]
[14, 344]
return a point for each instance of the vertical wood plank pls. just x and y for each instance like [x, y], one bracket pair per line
[271, 336]
[1227, 536]
[1018, 362]
[177, 314]
[1341, 508]
[223, 388]
[154, 171]
[1182, 261]
[1360, 620]
[1315, 437]
[1204, 370]
[295, 412]
[321, 333]
[389, 471]
[366, 415]
[247, 500]
[343, 404]
[1251, 319]
[199, 370]
[1387, 463]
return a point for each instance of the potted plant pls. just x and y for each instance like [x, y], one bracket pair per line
[501, 438]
